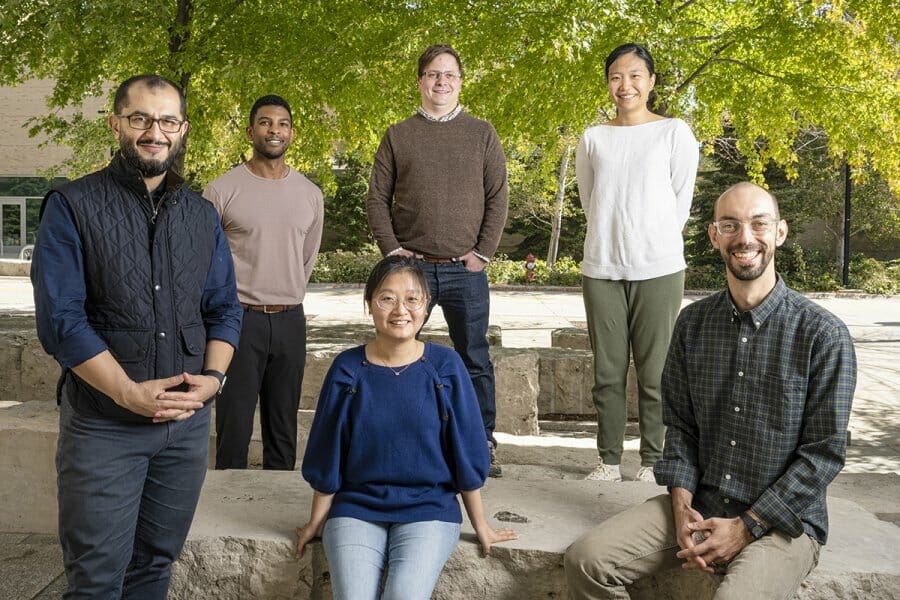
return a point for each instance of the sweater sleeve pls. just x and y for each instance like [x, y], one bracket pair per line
[464, 437]
[584, 173]
[380, 196]
[685, 160]
[326, 445]
[496, 196]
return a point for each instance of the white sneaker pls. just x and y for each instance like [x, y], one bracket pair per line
[605, 472]
[645, 474]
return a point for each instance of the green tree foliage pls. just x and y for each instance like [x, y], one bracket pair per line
[767, 69]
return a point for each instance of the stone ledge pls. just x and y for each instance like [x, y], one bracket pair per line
[240, 545]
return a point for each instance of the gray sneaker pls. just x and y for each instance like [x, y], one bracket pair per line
[495, 470]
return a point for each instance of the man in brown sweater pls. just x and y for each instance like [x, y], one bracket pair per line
[438, 192]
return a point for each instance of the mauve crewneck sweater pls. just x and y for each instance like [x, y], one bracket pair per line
[439, 188]
[397, 448]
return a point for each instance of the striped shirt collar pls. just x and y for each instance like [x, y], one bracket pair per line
[443, 118]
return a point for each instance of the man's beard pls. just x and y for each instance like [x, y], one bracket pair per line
[264, 151]
[149, 167]
[751, 272]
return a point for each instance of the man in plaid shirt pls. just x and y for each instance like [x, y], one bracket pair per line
[757, 390]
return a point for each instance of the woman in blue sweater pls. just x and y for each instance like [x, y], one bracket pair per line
[397, 434]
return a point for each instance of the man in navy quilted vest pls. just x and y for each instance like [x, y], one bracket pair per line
[135, 298]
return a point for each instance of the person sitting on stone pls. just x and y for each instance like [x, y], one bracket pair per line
[396, 436]
[756, 390]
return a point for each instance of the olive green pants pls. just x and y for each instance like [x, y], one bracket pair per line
[630, 318]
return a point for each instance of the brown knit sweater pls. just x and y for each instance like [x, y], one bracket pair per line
[438, 189]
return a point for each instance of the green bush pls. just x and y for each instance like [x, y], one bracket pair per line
[873, 276]
[802, 270]
[344, 267]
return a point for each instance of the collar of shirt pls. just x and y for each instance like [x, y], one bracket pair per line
[448, 117]
[759, 314]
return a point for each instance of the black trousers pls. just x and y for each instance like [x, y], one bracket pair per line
[268, 365]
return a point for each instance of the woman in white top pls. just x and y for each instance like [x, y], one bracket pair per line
[636, 180]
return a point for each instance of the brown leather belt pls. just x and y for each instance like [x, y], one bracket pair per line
[439, 261]
[269, 308]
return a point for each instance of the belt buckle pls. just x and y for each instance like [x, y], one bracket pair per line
[267, 311]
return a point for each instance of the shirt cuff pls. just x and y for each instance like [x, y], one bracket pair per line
[481, 256]
[397, 250]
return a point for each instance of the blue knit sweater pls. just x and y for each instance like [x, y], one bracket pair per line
[397, 448]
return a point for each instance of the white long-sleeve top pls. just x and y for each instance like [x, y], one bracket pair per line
[636, 184]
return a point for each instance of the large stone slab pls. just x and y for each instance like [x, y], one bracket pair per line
[28, 434]
[517, 388]
[566, 379]
[241, 545]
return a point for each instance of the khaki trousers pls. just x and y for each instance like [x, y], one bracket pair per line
[641, 542]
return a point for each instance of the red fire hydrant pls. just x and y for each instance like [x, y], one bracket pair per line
[529, 267]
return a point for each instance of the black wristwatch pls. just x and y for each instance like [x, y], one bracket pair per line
[756, 529]
[218, 375]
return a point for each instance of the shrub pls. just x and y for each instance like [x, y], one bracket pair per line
[805, 271]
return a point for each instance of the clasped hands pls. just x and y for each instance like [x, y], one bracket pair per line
[154, 399]
[723, 539]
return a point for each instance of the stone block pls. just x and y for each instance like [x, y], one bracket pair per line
[14, 268]
[566, 379]
[241, 545]
[319, 357]
[40, 372]
[573, 338]
[28, 434]
[516, 374]
[10, 366]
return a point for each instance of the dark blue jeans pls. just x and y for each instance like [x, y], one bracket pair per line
[465, 299]
[127, 494]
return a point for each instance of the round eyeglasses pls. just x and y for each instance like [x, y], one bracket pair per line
[389, 302]
[731, 227]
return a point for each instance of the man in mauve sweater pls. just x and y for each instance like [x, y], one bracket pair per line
[272, 216]
[438, 192]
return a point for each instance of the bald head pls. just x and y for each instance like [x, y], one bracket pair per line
[740, 193]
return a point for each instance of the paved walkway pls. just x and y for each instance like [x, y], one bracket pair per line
[528, 316]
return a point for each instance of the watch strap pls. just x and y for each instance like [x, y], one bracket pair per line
[218, 375]
[756, 529]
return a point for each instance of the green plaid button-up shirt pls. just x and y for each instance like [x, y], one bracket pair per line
[757, 405]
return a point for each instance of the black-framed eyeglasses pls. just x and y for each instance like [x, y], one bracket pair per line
[143, 122]
[731, 227]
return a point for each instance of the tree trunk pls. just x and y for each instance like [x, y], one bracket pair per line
[179, 34]
[556, 221]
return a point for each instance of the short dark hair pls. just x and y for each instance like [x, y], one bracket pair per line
[644, 55]
[432, 52]
[389, 265]
[270, 100]
[152, 81]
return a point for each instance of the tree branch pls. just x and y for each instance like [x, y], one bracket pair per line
[702, 67]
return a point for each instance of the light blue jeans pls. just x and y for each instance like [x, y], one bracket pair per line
[414, 554]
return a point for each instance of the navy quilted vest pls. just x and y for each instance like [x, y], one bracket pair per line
[144, 281]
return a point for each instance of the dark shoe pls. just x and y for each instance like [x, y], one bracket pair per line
[495, 470]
